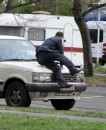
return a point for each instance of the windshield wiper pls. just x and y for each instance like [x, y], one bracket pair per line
[11, 59]
[31, 59]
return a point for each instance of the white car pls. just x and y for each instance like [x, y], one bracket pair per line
[22, 79]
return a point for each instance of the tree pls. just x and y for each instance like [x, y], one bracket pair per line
[1, 1]
[57, 7]
[79, 14]
[13, 4]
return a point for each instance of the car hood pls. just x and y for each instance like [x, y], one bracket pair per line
[26, 66]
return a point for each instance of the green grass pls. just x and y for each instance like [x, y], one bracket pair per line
[99, 69]
[96, 80]
[63, 112]
[24, 122]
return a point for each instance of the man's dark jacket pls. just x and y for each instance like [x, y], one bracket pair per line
[52, 45]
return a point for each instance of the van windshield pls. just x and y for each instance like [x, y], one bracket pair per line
[94, 35]
[16, 49]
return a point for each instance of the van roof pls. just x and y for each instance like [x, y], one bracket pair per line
[96, 24]
[37, 21]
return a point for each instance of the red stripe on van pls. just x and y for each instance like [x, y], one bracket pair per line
[73, 49]
[104, 48]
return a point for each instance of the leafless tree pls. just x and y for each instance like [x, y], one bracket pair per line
[79, 14]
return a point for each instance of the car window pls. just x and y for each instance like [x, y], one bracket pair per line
[16, 49]
[94, 35]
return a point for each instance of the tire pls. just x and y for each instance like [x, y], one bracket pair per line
[16, 95]
[62, 104]
[102, 63]
[28, 103]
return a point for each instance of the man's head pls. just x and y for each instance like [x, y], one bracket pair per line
[60, 35]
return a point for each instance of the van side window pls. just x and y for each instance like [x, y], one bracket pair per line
[12, 31]
[94, 35]
[36, 34]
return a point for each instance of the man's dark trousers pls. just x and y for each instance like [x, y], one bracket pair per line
[48, 59]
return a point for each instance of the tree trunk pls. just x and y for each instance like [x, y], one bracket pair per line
[9, 5]
[1, 1]
[88, 68]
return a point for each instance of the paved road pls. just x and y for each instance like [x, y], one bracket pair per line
[94, 99]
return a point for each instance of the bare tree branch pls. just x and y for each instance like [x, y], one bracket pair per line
[93, 8]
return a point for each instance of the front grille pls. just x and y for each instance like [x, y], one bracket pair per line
[67, 77]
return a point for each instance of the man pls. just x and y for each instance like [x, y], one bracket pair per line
[52, 50]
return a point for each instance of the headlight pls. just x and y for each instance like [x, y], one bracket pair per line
[41, 77]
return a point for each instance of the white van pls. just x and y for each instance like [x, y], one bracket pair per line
[38, 27]
[97, 31]
[22, 79]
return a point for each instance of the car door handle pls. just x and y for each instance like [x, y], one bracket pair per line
[93, 47]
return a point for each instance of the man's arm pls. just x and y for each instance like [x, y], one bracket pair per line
[60, 46]
[61, 49]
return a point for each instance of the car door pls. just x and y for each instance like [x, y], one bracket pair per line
[96, 42]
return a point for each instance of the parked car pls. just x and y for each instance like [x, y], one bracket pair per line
[23, 79]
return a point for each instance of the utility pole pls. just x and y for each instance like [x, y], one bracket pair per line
[98, 38]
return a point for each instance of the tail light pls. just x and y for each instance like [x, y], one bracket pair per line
[104, 48]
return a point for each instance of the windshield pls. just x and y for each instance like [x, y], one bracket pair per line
[16, 49]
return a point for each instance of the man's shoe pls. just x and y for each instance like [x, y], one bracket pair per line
[76, 71]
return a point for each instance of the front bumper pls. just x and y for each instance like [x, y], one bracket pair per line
[54, 87]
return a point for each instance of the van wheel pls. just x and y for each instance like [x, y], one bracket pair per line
[16, 95]
[62, 104]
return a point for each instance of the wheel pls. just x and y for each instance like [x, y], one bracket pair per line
[62, 104]
[16, 95]
[102, 63]
[28, 103]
